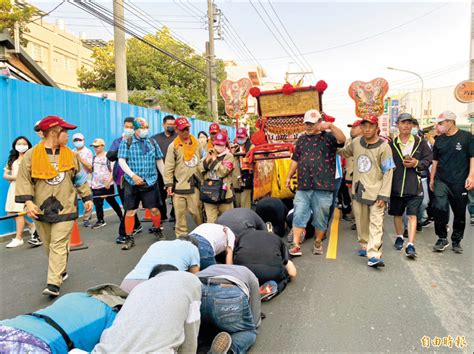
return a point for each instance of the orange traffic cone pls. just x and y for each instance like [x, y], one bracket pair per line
[75, 243]
[147, 216]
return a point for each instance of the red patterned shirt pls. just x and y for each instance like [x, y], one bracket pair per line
[316, 158]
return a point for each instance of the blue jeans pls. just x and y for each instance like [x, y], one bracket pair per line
[227, 308]
[422, 216]
[470, 206]
[317, 201]
[206, 252]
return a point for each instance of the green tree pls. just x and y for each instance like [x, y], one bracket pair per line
[178, 88]
[12, 13]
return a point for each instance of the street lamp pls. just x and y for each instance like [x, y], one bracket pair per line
[422, 84]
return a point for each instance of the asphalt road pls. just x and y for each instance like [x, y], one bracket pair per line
[335, 305]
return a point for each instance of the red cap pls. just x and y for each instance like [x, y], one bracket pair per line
[371, 118]
[220, 139]
[181, 123]
[328, 118]
[241, 133]
[355, 124]
[225, 132]
[53, 121]
[214, 128]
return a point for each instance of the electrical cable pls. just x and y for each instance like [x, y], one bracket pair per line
[101, 12]
[364, 38]
[292, 41]
[271, 31]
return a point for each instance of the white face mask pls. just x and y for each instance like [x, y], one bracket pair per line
[21, 148]
[143, 133]
[241, 141]
[128, 132]
[219, 148]
[78, 144]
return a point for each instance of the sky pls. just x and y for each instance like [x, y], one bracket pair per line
[340, 41]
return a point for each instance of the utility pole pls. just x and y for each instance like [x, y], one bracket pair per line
[211, 56]
[120, 52]
[208, 81]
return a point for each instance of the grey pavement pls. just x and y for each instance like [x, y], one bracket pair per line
[338, 305]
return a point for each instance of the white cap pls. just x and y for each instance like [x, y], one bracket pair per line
[312, 116]
[446, 115]
[78, 136]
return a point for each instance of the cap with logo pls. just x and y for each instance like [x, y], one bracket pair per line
[241, 133]
[312, 116]
[370, 118]
[54, 121]
[220, 139]
[446, 115]
[214, 128]
[181, 123]
[98, 142]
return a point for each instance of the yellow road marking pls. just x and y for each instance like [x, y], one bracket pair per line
[333, 235]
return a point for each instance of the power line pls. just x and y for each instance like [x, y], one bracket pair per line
[99, 11]
[186, 8]
[271, 31]
[232, 29]
[49, 12]
[292, 40]
[295, 57]
[142, 15]
[238, 46]
[364, 38]
[89, 18]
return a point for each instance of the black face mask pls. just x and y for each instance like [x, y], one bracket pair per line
[170, 130]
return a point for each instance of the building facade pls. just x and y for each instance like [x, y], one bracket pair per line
[58, 52]
[435, 101]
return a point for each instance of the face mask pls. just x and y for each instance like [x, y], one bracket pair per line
[128, 132]
[21, 148]
[78, 144]
[414, 131]
[441, 129]
[170, 130]
[241, 141]
[219, 148]
[143, 133]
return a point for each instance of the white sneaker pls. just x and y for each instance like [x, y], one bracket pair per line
[14, 243]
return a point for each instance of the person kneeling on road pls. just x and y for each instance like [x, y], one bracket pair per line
[161, 315]
[240, 220]
[213, 240]
[181, 253]
[139, 157]
[75, 320]
[273, 210]
[230, 302]
[266, 255]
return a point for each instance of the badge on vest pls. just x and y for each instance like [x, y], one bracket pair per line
[364, 164]
[458, 146]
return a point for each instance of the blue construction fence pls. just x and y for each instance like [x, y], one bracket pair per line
[22, 104]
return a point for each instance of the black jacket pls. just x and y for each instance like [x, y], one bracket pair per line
[406, 182]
